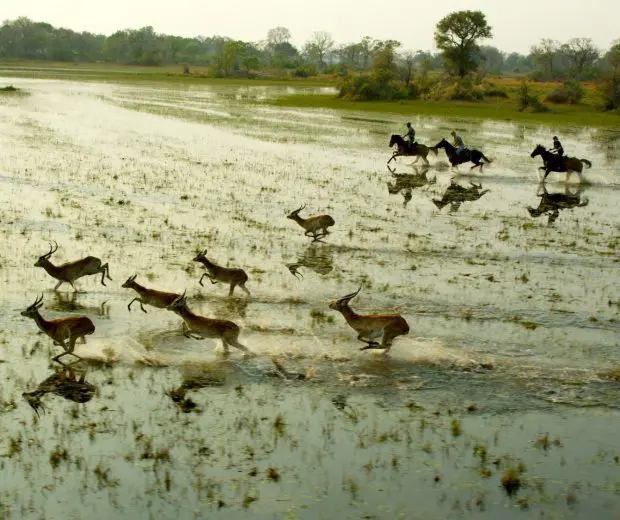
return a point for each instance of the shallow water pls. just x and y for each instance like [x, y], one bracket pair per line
[514, 320]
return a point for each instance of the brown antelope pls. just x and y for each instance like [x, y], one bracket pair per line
[312, 224]
[216, 273]
[199, 327]
[158, 299]
[61, 330]
[71, 271]
[389, 326]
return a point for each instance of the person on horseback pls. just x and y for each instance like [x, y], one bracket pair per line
[458, 143]
[410, 136]
[557, 149]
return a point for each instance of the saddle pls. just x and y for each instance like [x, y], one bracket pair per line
[412, 148]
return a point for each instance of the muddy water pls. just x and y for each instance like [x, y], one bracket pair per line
[514, 319]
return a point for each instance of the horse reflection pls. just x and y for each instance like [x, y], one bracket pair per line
[456, 194]
[407, 182]
[316, 257]
[551, 203]
[67, 382]
[68, 302]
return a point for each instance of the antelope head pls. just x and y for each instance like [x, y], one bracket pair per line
[200, 256]
[43, 258]
[33, 309]
[295, 214]
[130, 280]
[178, 303]
[343, 302]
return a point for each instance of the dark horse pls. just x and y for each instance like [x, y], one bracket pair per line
[407, 182]
[404, 148]
[466, 155]
[551, 203]
[554, 163]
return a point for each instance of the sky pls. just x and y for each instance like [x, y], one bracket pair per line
[516, 25]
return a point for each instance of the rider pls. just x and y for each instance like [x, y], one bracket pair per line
[458, 143]
[557, 147]
[410, 136]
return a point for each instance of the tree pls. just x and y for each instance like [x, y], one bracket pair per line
[278, 35]
[457, 38]
[610, 86]
[317, 47]
[492, 59]
[545, 55]
[582, 55]
[407, 67]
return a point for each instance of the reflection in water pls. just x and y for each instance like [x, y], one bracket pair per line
[456, 194]
[67, 382]
[316, 257]
[68, 302]
[407, 182]
[227, 308]
[551, 203]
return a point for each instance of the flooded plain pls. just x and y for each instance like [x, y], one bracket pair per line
[501, 402]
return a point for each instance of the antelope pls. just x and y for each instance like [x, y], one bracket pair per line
[71, 271]
[312, 224]
[389, 326]
[216, 273]
[200, 327]
[61, 330]
[159, 299]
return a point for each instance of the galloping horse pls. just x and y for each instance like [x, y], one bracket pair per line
[404, 148]
[554, 163]
[466, 155]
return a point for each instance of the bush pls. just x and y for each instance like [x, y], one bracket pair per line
[372, 87]
[492, 90]
[571, 92]
[304, 71]
[527, 100]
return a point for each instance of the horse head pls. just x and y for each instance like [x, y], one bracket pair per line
[393, 139]
[441, 144]
[539, 150]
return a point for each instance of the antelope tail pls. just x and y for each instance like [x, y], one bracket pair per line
[584, 202]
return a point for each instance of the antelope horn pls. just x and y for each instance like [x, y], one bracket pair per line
[300, 208]
[350, 296]
[37, 302]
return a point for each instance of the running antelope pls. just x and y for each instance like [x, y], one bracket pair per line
[158, 299]
[71, 271]
[215, 273]
[389, 326]
[61, 330]
[313, 224]
[199, 327]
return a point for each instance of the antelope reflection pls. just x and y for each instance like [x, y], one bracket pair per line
[67, 382]
[551, 203]
[316, 257]
[456, 194]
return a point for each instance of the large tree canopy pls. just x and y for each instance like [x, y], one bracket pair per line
[457, 38]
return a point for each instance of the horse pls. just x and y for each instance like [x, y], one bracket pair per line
[466, 155]
[555, 163]
[552, 203]
[403, 148]
[407, 182]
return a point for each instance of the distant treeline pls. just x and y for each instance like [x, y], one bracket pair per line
[23, 39]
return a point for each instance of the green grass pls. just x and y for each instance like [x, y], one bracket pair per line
[136, 74]
[565, 115]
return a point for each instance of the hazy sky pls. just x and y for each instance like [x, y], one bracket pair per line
[517, 24]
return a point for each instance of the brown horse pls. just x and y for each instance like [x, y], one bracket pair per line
[554, 163]
[403, 148]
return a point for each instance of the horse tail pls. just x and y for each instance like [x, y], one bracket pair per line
[433, 149]
[586, 162]
[485, 158]
[584, 202]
